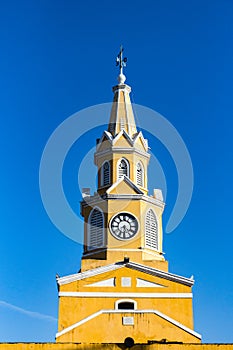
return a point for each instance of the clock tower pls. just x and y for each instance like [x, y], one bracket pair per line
[121, 219]
[124, 284]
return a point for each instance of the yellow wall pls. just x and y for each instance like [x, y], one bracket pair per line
[96, 313]
[139, 209]
[147, 326]
[72, 346]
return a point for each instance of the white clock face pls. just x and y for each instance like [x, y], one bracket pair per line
[124, 226]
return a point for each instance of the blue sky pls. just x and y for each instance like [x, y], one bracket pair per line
[58, 57]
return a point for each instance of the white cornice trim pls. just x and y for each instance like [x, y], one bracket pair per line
[123, 196]
[159, 273]
[156, 312]
[131, 265]
[126, 295]
[125, 250]
[89, 273]
[94, 200]
[129, 182]
[123, 150]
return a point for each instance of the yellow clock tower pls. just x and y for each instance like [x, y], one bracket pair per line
[124, 292]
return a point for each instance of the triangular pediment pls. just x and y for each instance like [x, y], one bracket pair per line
[122, 140]
[110, 282]
[150, 271]
[124, 186]
[140, 142]
[105, 141]
[147, 284]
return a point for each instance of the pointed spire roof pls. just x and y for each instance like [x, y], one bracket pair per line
[122, 117]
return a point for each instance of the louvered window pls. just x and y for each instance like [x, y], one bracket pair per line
[140, 174]
[151, 236]
[96, 229]
[105, 174]
[123, 169]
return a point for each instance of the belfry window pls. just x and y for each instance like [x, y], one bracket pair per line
[96, 229]
[123, 168]
[151, 234]
[140, 174]
[105, 174]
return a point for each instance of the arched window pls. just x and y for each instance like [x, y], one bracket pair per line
[151, 234]
[123, 168]
[96, 229]
[105, 174]
[140, 174]
[125, 304]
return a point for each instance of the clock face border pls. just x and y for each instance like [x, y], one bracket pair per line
[117, 237]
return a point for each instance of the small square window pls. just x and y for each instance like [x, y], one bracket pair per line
[128, 321]
[125, 281]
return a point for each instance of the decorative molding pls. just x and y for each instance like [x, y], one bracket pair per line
[156, 312]
[122, 150]
[142, 196]
[131, 265]
[97, 199]
[89, 273]
[159, 273]
[148, 284]
[128, 181]
[124, 250]
[104, 283]
[126, 295]
[125, 134]
[144, 141]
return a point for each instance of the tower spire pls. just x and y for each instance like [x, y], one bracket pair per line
[122, 116]
[121, 62]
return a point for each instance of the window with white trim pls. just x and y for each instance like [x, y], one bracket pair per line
[105, 174]
[96, 229]
[151, 232]
[126, 304]
[123, 168]
[140, 174]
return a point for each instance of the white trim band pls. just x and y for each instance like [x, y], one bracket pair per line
[158, 313]
[124, 295]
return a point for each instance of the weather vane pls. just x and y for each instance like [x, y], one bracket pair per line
[120, 61]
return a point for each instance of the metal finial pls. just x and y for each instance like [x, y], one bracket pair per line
[121, 62]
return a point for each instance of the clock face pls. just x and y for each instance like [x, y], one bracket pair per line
[124, 226]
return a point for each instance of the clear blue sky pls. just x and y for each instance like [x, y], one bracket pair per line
[57, 57]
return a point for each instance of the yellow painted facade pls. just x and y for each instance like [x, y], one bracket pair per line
[73, 346]
[123, 297]
[124, 289]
